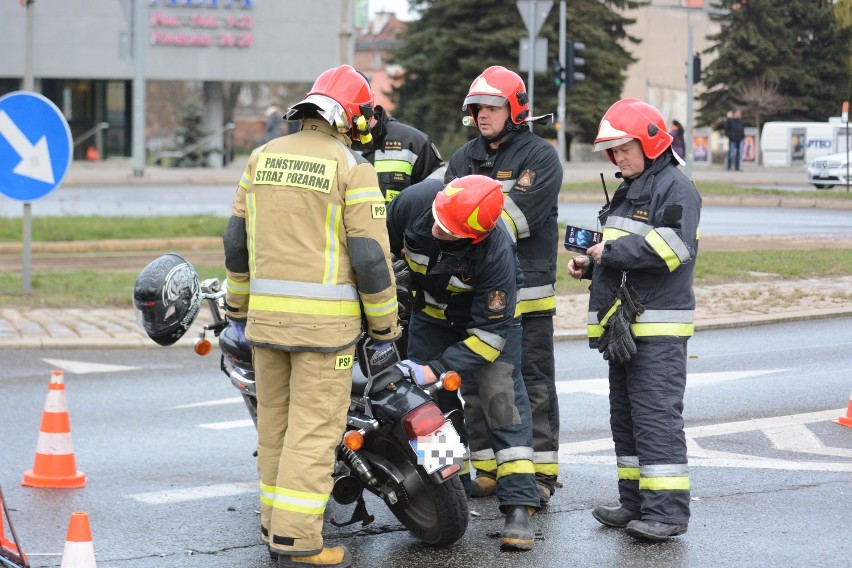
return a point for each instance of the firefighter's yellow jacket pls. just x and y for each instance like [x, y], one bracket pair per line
[306, 246]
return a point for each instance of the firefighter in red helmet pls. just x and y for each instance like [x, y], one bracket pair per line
[308, 196]
[640, 317]
[530, 173]
[465, 277]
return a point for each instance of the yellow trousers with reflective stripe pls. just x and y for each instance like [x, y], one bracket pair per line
[301, 415]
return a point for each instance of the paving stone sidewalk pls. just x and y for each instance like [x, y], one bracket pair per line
[723, 306]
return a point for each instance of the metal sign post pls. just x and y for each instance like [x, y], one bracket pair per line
[35, 156]
[844, 116]
[690, 71]
[533, 12]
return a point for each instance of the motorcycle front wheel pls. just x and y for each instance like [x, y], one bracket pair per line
[435, 513]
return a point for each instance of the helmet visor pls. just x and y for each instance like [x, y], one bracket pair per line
[326, 107]
[487, 100]
[147, 315]
[607, 144]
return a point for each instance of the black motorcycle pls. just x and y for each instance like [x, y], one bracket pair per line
[391, 421]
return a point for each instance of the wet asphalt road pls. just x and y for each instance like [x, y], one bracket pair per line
[171, 479]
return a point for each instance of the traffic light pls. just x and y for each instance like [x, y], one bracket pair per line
[574, 73]
[696, 68]
[557, 73]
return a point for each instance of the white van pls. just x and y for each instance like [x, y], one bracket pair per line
[793, 143]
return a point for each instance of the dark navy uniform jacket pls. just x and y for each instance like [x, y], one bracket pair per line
[530, 171]
[470, 291]
[650, 231]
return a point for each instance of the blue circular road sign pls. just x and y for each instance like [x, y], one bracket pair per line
[35, 146]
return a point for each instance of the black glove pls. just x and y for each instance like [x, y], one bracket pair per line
[618, 342]
[401, 273]
[631, 301]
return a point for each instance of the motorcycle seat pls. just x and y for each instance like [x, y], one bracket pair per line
[380, 381]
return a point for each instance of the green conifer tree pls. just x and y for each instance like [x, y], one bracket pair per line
[453, 42]
[796, 45]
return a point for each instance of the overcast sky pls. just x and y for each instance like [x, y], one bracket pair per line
[399, 7]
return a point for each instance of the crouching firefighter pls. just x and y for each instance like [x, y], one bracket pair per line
[641, 315]
[465, 278]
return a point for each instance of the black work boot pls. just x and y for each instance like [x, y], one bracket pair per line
[617, 517]
[518, 533]
[654, 530]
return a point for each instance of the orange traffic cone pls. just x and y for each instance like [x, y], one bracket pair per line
[79, 551]
[55, 465]
[846, 420]
[9, 551]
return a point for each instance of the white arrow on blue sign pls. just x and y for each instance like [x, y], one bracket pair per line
[35, 146]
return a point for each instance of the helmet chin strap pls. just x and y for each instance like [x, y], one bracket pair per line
[451, 247]
[508, 127]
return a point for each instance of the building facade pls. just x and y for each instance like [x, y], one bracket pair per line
[81, 52]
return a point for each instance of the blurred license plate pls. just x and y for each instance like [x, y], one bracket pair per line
[437, 449]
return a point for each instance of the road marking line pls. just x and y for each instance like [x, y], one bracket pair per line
[228, 425]
[798, 438]
[194, 493]
[775, 428]
[232, 400]
[601, 386]
[84, 368]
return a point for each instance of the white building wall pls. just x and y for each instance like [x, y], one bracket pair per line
[659, 75]
[193, 40]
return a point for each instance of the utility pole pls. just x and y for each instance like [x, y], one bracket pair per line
[27, 220]
[560, 104]
[690, 62]
[531, 68]
[140, 10]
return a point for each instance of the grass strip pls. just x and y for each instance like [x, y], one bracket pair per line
[99, 289]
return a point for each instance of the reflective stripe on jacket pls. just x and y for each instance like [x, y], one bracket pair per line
[401, 154]
[530, 171]
[315, 245]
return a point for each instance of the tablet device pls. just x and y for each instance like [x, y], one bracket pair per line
[578, 239]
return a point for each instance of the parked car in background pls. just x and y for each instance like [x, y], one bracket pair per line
[827, 171]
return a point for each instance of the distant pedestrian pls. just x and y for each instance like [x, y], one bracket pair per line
[273, 122]
[678, 140]
[735, 131]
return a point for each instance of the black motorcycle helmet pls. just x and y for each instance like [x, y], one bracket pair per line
[166, 298]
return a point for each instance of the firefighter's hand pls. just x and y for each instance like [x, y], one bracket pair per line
[420, 374]
[595, 252]
[579, 266]
[239, 329]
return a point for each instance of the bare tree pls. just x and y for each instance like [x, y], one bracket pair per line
[759, 98]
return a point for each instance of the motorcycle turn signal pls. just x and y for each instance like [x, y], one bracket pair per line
[354, 440]
[450, 381]
[202, 345]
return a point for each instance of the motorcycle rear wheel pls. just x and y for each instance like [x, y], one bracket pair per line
[435, 513]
